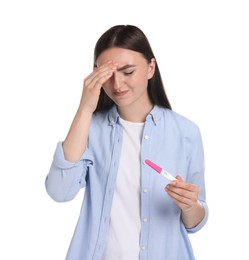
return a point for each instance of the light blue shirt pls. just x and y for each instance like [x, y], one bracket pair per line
[171, 141]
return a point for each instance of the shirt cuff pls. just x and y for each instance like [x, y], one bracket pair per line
[61, 162]
[202, 223]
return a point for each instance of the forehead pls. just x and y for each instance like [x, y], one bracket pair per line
[121, 56]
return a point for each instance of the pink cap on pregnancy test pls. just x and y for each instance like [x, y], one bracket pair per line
[160, 170]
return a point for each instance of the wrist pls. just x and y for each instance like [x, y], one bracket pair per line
[85, 112]
[193, 215]
[195, 206]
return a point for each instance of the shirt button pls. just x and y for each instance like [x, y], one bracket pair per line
[145, 220]
[146, 137]
[145, 190]
[142, 247]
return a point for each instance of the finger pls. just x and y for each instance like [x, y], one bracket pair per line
[184, 185]
[98, 78]
[179, 178]
[178, 192]
[186, 190]
[101, 69]
[179, 199]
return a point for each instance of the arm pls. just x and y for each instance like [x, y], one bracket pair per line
[76, 140]
[72, 158]
[185, 195]
[190, 195]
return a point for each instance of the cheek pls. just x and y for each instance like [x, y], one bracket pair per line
[142, 79]
[142, 83]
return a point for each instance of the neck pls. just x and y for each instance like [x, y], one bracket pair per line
[135, 114]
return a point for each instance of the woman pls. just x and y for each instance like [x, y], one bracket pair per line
[124, 117]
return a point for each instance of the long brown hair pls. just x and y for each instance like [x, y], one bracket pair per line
[132, 38]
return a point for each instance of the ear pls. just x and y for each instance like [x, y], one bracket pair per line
[151, 68]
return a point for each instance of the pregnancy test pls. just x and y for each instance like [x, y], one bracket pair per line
[160, 170]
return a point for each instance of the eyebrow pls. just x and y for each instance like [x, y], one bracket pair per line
[126, 67]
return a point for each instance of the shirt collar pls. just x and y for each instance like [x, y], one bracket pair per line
[154, 115]
[113, 115]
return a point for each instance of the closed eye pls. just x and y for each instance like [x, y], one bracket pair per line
[127, 69]
[128, 73]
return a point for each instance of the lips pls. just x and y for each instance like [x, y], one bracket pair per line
[120, 93]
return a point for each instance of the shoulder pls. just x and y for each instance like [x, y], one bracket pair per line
[179, 126]
[174, 118]
[186, 129]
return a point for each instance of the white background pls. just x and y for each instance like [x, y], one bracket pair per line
[46, 50]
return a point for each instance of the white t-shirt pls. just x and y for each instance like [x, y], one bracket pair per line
[125, 222]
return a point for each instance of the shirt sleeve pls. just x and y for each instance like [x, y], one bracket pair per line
[196, 170]
[65, 178]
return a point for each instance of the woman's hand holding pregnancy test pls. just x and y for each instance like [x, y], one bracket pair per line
[184, 194]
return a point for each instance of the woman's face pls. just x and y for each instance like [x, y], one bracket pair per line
[128, 84]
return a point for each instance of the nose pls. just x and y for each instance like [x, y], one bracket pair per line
[116, 80]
